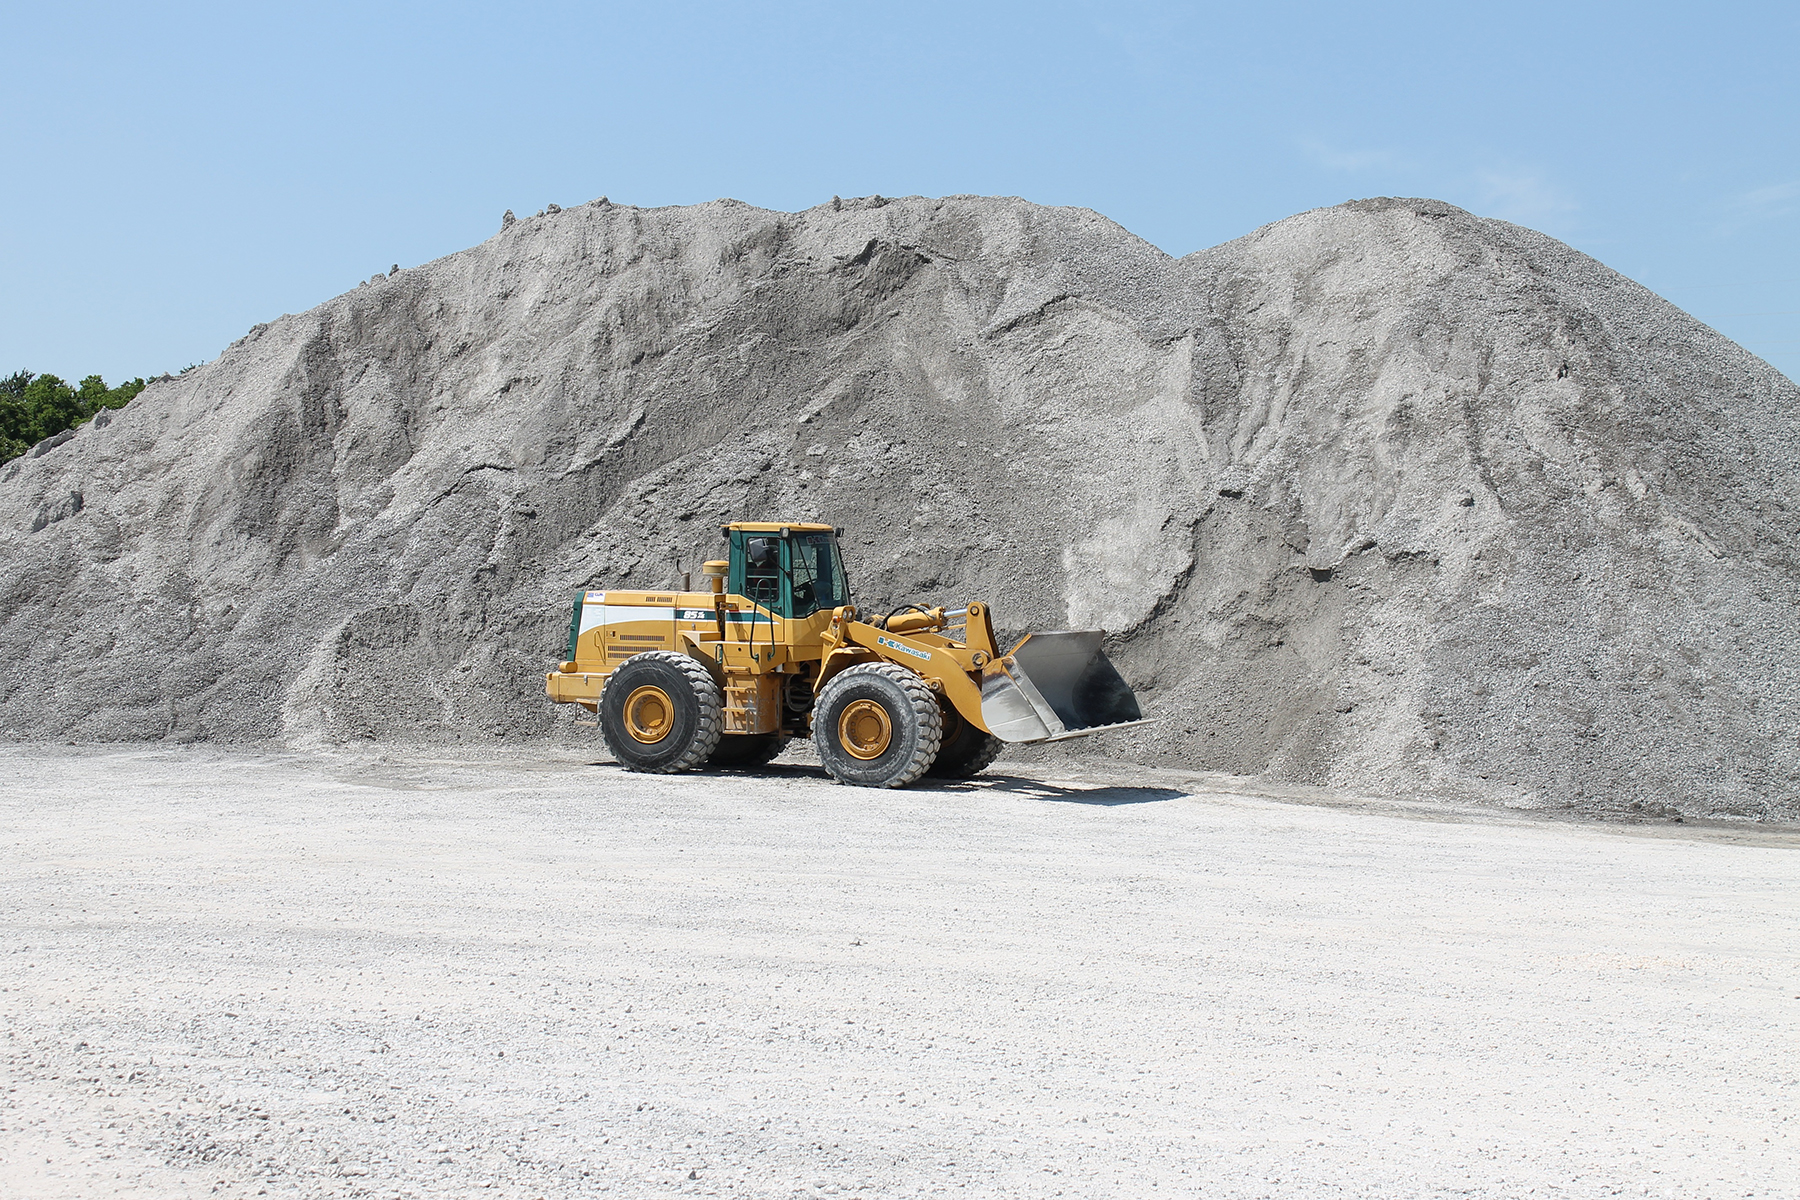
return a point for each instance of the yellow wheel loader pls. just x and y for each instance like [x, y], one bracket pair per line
[775, 649]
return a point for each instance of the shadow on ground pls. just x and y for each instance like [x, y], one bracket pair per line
[1036, 789]
[1063, 793]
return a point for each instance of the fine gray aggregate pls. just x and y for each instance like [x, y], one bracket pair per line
[452, 973]
[1384, 497]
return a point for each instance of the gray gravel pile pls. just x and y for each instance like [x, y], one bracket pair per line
[1383, 497]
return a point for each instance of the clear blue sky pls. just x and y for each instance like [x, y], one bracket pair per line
[180, 172]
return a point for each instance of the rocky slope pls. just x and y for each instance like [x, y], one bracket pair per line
[1385, 497]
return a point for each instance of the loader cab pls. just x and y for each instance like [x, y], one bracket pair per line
[793, 570]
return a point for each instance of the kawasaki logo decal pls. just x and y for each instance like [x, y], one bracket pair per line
[891, 644]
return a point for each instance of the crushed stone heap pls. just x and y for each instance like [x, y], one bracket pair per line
[1383, 497]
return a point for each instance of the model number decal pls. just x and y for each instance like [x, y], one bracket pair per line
[891, 644]
[694, 614]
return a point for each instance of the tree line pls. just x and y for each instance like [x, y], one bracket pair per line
[34, 407]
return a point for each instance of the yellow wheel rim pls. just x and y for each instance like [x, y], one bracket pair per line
[864, 729]
[649, 714]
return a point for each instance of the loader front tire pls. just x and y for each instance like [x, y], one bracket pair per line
[877, 725]
[661, 712]
[966, 750]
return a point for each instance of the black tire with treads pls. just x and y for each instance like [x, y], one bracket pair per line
[916, 722]
[696, 723]
[966, 750]
[747, 749]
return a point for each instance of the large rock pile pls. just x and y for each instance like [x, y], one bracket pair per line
[1384, 497]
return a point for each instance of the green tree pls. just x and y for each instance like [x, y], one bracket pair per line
[15, 421]
[34, 407]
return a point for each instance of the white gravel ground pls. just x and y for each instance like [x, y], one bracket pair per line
[437, 972]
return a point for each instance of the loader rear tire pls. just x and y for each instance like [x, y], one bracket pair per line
[877, 725]
[747, 749]
[661, 712]
[966, 751]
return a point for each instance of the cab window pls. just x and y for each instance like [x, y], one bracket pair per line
[762, 570]
[816, 574]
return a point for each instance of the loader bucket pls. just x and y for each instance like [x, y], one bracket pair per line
[1054, 686]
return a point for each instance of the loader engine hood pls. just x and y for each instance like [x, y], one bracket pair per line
[1053, 686]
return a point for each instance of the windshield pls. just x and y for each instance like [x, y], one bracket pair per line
[817, 574]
